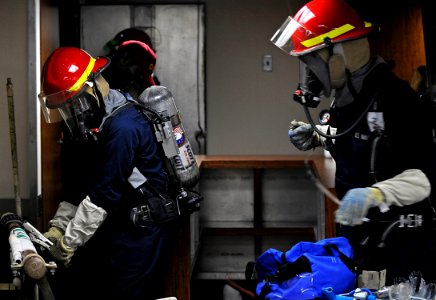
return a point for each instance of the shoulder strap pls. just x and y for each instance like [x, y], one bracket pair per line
[158, 122]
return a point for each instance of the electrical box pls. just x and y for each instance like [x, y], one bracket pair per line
[267, 63]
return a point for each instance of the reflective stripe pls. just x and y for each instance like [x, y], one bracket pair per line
[79, 83]
[331, 34]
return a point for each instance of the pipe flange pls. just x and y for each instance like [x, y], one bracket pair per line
[8, 218]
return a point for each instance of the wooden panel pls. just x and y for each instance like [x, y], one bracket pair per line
[219, 242]
[177, 283]
[323, 167]
[50, 133]
[401, 39]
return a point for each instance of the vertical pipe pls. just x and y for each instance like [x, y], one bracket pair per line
[10, 94]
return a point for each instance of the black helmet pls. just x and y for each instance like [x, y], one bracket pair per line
[128, 34]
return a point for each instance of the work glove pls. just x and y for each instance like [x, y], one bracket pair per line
[303, 136]
[61, 253]
[54, 234]
[356, 203]
[87, 219]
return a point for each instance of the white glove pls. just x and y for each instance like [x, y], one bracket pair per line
[356, 203]
[304, 137]
[81, 228]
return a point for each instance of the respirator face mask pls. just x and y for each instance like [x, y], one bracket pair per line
[314, 80]
[83, 115]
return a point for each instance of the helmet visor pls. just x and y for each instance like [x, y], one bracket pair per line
[283, 38]
[57, 107]
[51, 103]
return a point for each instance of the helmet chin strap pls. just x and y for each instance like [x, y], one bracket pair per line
[96, 89]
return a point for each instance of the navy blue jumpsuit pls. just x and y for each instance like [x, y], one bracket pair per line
[119, 261]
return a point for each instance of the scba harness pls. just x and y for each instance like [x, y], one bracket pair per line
[153, 207]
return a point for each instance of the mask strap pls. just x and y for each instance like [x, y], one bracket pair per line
[95, 89]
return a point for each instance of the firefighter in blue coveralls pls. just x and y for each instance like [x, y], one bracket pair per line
[377, 130]
[106, 256]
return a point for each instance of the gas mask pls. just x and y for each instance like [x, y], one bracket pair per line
[314, 79]
[81, 113]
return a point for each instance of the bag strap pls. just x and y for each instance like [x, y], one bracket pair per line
[265, 290]
[288, 270]
[350, 263]
[284, 272]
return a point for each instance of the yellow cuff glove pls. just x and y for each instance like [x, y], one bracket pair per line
[61, 253]
[356, 203]
[54, 234]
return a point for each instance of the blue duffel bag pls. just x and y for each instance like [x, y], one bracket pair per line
[302, 272]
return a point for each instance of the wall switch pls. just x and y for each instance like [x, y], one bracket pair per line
[267, 63]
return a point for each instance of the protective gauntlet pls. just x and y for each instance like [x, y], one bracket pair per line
[63, 215]
[406, 188]
[86, 221]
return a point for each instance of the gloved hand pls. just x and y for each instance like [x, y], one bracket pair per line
[303, 136]
[356, 203]
[61, 253]
[87, 219]
[54, 234]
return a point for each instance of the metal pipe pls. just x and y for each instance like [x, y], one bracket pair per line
[10, 94]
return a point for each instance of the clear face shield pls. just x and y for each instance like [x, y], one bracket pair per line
[289, 37]
[282, 37]
[82, 113]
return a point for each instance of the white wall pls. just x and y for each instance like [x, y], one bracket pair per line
[248, 110]
[14, 64]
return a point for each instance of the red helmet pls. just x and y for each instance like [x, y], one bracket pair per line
[131, 69]
[66, 72]
[318, 23]
[141, 55]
